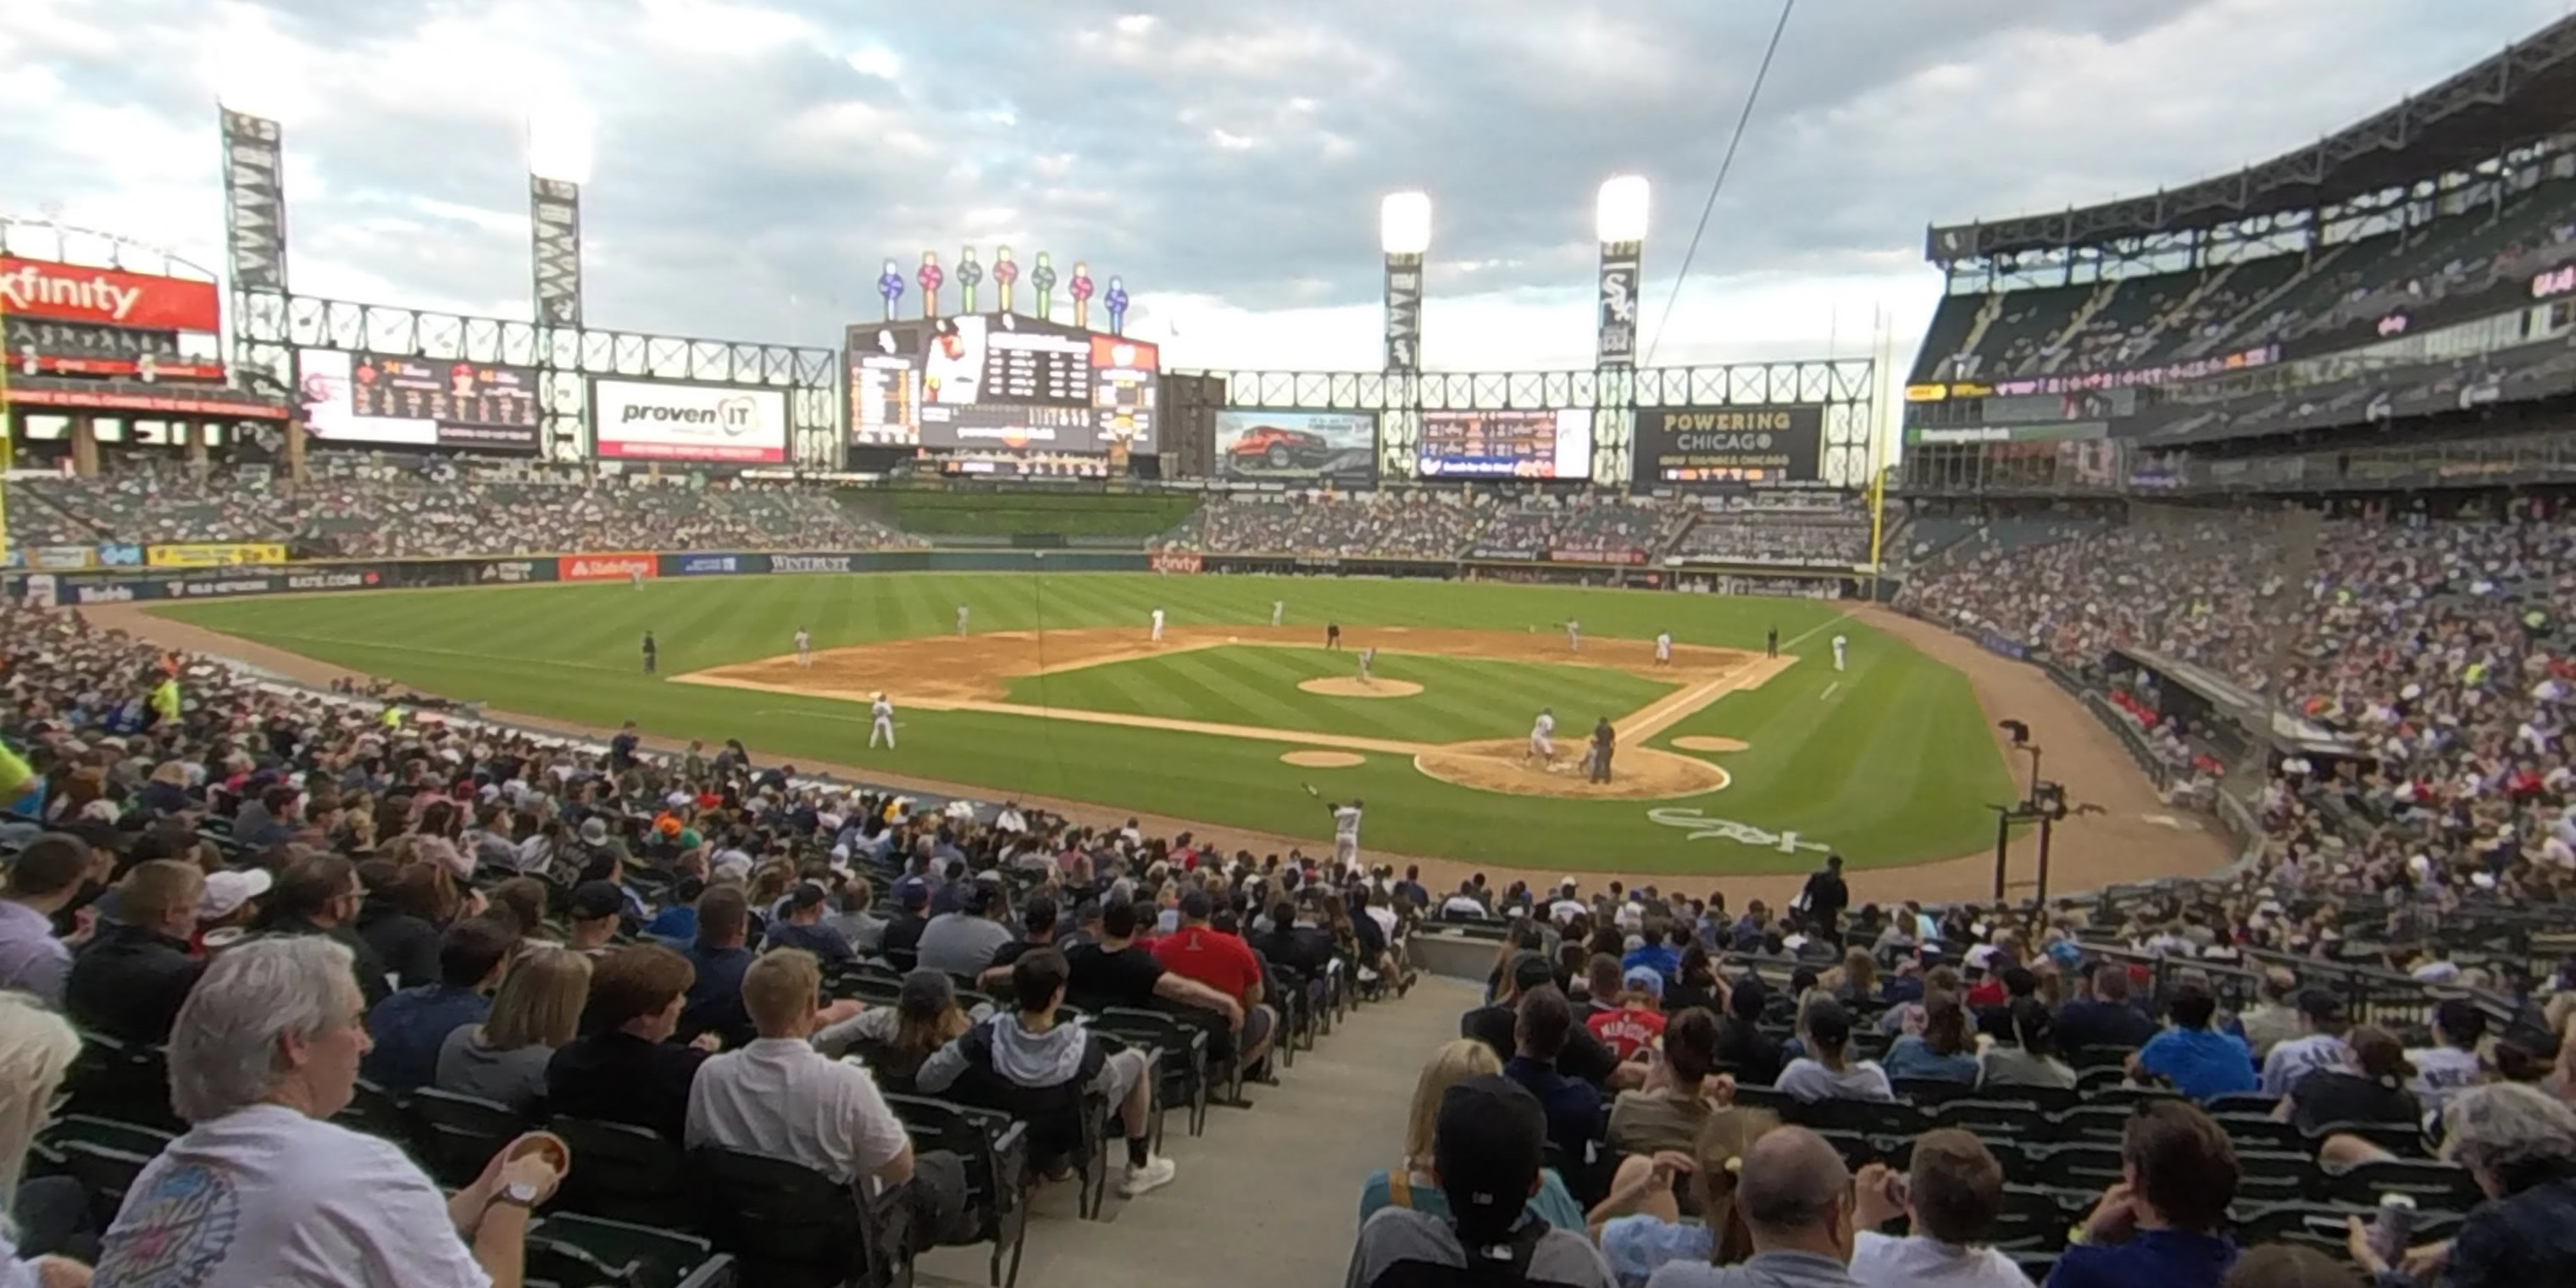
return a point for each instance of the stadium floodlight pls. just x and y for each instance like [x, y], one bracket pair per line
[561, 143]
[1404, 223]
[1620, 214]
[253, 76]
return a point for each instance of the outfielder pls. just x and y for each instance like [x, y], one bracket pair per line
[881, 722]
[804, 648]
[1158, 626]
[1367, 655]
[1543, 737]
[1278, 611]
[1573, 635]
[636, 577]
[1839, 643]
[961, 619]
[1346, 831]
[1664, 649]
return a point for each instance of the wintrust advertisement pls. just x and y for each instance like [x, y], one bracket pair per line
[652, 420]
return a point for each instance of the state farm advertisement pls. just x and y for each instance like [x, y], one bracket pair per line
[616, 567]
[654, 420]
[43, 288]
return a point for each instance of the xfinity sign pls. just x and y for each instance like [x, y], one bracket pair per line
[654, 420]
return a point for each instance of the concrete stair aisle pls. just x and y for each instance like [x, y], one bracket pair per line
[1269, 1197]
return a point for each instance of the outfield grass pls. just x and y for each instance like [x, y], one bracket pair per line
[1890, 762]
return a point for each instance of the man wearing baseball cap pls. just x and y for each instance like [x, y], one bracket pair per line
[595, 909]
[1486, 1150]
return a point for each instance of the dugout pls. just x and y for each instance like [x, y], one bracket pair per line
[2234, 721]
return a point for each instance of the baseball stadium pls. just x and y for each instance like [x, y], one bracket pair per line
[2080, 796]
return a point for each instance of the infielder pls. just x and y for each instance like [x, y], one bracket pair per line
[961, 619]
[1158, 626]
[1278, 611]
[804, 648]
[1543, 737]
[1346, 831]
[881, 722]
[1367, 655]
[1664, 649]
[1573, 635]
[1839, 643]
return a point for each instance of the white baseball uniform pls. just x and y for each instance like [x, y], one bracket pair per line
[1158, 626]
[1543, 737]
[1346, 834]
[1278, 611]
[1367, 655]
[961, 619]
[882, 723]
[804, 649]
[636, 576]
[1839, 644]
[1574, 635]
[1664, 647]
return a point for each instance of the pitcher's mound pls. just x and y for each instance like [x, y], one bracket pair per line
[1636, 773]
[1352, 686]
[1700, 742]
[1323, 759]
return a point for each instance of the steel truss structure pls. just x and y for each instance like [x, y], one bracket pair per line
[268, 329]
[1848, 388]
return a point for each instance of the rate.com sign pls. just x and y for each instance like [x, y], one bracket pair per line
[652, 420]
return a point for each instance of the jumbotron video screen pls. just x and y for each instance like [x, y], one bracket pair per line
[1001, 382]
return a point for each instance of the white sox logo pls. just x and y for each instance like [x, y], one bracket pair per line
[1618, 295]
[1701, 826]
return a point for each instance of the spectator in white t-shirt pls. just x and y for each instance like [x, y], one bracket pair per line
[2320, 1044]
[264, 1192]
[1951, 1196]
[2450, 1065]
[780, 1097]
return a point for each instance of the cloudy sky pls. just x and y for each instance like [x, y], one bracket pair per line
[758, 160]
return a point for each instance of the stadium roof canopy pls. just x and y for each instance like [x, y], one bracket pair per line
[2515, 98]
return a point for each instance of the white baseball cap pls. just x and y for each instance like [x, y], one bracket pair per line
[228, 890]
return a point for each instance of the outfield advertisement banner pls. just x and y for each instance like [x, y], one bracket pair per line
[1297, 446]
[1181, 561]
[814, 563]
[511, 572]
[617, 567]
[713, 565]
[1596, 556]
[1772, 445]
[212, 554]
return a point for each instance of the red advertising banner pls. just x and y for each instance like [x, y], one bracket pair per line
[43, 288]
[617, 567]
[126, 399]
[1178, 561]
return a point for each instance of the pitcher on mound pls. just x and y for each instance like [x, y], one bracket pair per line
[1367, 655]
[1542, 747]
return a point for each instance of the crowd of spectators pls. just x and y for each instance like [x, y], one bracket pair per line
[1587, 522]
[382, 510]
[1391, 525]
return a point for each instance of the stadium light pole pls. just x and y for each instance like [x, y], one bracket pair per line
[1619, 221]
[561, 152]
[1404, 235]
[255, 92]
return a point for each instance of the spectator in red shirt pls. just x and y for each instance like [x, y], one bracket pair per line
[1223, 962]
[1638, 1024]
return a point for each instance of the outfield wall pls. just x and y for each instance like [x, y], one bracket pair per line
[129, 584]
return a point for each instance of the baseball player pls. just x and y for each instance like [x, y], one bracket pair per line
[881, 722]
[1367, 656]
[1664, 648]
[961, 619]
[1278, 611]
[635, 576]
[1158, 626]
[1346, 831]
[1573, 635]
[1839, 644]
[804, 648]
[1543, 737]
[651, 654]
[1332, 634]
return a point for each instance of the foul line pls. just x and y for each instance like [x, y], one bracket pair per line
[1829, 690]
[1672, 709]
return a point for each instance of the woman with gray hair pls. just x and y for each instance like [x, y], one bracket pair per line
[264, 1190]
[37, 1047]
[2520, 1146]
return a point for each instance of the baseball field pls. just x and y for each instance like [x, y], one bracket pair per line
[1729, 760]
